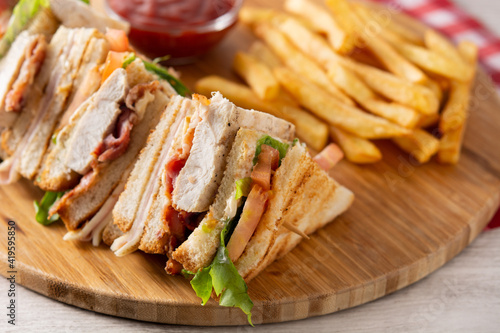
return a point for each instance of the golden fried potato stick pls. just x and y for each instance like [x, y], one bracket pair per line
[411, 94]
[357, 89]
[428, 120]
[385, 20]
[435, 62]
[356, 149]
[311, 130]
[257, 75]
[440, 44]
[317, 49]
[322, 21]
[264, 54]
[297, 61]
[420, 144]
[336, 113]
[457, 106]
[384, 51]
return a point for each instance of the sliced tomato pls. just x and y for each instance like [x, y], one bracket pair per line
[268, 160]
[329, 157]
[250, 217]
[118, 40]
[113, 61]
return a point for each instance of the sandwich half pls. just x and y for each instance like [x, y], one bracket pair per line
[94, 152]
[270, 187]
[157, 213]
[65, 63]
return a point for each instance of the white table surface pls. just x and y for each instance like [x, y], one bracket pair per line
[462, 296]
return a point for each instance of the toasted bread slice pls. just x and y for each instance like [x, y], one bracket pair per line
[303, 196]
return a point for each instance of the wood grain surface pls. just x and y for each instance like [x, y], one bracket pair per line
[407, 221]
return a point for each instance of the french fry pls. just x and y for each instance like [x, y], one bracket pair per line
[391, 59]
[356, 149]
[413, 95]
[308, 128]
[420, 144]
[321, 21]
[428, 120]
[297, 61]
[342, 15]
[451, 142]
[252, 15]
[435, 62]
[361, 93]
[336, 113]
[450, 146]
[307, 41]
[386, 21]
[435, 87]
[439, 44]
[350, 83]
[455, 110]
[394, 112]
[264, 54]
[373, 25]
[257, 75]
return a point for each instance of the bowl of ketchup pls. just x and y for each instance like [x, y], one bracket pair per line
[180, 29]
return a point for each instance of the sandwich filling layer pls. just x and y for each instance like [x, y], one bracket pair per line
[130, 241]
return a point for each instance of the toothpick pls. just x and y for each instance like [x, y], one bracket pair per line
[295, 230]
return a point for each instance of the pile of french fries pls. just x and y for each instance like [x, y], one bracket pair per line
[343, 72]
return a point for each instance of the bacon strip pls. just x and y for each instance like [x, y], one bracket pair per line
[115, 144]
[35, 55]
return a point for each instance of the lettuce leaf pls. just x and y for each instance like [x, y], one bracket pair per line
[22, 14]
[223, 277]
[42, 208]
[165, 75]
[281, 147]
[154, 67]
[243, 187]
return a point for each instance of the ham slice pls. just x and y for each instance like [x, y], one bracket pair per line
[34, 57]
[116, 143]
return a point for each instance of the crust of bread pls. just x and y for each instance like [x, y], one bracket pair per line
[110, 233]
[298, 185]
[81, 206]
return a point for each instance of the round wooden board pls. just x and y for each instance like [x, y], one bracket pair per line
[406, 221]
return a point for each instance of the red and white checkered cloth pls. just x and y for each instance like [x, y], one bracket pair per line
[445, 16]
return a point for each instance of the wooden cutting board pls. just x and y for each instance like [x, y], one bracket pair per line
[406, 222]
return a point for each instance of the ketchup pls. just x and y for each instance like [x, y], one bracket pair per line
[179, 28]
